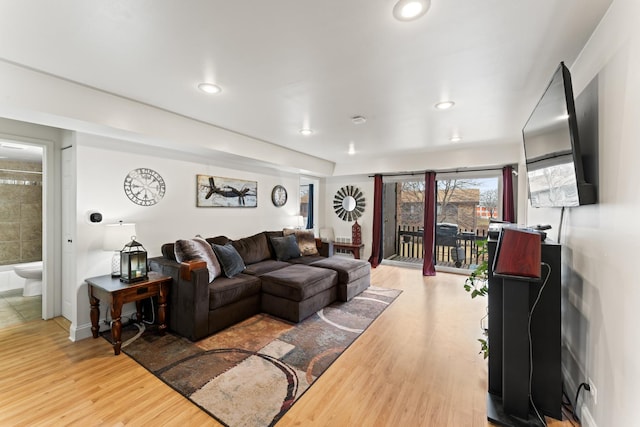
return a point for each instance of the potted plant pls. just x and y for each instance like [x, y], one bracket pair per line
[476, 285]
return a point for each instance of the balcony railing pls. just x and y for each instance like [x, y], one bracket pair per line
[454, 247]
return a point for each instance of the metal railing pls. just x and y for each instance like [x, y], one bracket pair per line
[454, 247]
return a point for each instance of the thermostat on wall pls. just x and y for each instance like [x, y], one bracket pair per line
[95, 217]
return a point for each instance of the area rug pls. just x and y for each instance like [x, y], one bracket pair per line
[252, 373]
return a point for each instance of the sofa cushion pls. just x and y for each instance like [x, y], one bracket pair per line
[169, 251]
[306, 241]
[266, 266]
[229, 258]
[298, 282]
[253, 249]
[307, 260]
[285, 247]
[348, 269]
[227, 290]
[218, 240]
[198, 249]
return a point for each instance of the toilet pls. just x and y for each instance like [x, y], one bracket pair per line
[32, 273]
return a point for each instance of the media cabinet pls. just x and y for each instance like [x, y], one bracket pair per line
[509, 360]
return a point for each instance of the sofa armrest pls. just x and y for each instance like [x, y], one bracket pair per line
[189, 296]
[187, 267]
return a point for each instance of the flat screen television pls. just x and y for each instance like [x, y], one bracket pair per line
[552, 148]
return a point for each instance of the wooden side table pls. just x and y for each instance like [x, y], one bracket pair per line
[354, 249]
[116, 293]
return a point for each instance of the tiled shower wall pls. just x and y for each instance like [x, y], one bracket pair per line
[20, 212]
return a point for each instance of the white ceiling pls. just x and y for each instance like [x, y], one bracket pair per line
[288, 64]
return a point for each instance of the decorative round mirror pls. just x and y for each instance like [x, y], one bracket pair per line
[348, 203]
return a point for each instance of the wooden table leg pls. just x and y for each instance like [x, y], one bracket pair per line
[95, 314]
[162, 307]
[116, 326]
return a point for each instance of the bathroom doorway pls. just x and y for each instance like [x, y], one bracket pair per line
[21, 229]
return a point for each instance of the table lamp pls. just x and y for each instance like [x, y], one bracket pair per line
[115, 237]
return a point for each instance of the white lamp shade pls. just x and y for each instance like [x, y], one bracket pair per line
[117, 235]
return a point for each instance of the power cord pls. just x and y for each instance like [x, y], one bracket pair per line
[535, 303]
[560, 224]
[575, 406]
[126, 320]
[568, 409]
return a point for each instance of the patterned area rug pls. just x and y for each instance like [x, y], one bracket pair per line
[252, 373]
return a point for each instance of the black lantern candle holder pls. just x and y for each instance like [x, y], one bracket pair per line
[133, 262]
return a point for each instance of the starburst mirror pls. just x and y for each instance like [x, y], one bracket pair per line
[348, 203]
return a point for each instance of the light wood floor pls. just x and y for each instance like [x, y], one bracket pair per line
[417, 365]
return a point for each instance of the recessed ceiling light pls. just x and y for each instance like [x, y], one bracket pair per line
[445, 105]
[305, 131]
[358, 120]
[455, 138]
[408, 10]
[209, 88]
[352, 149]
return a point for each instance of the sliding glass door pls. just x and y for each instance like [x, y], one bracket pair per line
[466, 202]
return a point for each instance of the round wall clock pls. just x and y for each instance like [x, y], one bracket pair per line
[279, 195]
[348, 203]
[144, 187]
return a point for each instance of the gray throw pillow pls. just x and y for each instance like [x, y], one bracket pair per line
[198, 249]
[285, 247]
[229, 258]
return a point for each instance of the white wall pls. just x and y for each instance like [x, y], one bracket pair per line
[100, 177]
[601, 337]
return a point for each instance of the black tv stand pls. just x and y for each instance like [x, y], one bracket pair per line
[497, 415]
[509, 305]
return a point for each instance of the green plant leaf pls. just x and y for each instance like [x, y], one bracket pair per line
[476, 285]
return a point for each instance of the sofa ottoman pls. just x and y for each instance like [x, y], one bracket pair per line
[296, 292]
[354, 275]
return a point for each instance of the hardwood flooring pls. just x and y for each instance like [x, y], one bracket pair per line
[417, 365]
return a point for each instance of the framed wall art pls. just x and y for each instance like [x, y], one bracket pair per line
[216, 191]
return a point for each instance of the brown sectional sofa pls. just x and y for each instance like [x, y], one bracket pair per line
[291, 289]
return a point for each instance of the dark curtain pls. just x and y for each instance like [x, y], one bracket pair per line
[429, 236]
[507, 195]
[376, 241]
[310, 208]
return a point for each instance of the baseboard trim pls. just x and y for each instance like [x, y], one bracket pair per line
[81, 332]
[584, 414]
[586, 419]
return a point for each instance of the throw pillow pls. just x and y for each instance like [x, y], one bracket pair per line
[198, 249]
[229, 258]
[306, 241]
[285, 247]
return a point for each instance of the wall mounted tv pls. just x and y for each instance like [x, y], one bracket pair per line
[552, 148]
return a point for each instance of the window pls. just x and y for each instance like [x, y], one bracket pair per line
[468, 201]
